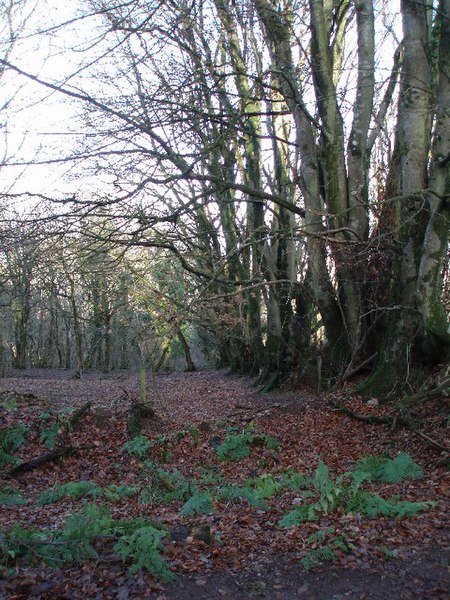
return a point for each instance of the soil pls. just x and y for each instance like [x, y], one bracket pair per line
[249, 556]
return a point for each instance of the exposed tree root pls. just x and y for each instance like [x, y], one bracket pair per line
[438, 392]
[393, 422]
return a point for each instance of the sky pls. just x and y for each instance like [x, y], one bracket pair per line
[39, 124]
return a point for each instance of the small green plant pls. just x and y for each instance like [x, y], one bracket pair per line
[79, 531]
[293, 480]
[305, 512]
[387, 551]
[325, 552]
[210, 476]
[138, 540]
[9, 404]
[137, 446]
[265, 485]
[237, 444]
[317, 556]
[386, 470]
[72, 489]
[11, 439]
[49, 436]
[256, 490]
[235, 447]
[346, 491]
[114, 493]
[19, 543]
[144, 548]
[195, 434]
[165, 487]
[10, 496]
[45, 415]
[372, 505]
[151, 496]
[198, 504]
[235, 492]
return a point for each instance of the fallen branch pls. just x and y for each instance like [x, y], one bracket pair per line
[61, 450]
[52, 455]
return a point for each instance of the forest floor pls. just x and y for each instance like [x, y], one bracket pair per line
[228, 541]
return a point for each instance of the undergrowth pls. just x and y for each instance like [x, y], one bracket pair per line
[324, 544]
[79, 489]
[10, 496]
[237, 444]
[11, 439]
[346, 491]
[140, 541]
[137, 541]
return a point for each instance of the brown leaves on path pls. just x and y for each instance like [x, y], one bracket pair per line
[194, 412]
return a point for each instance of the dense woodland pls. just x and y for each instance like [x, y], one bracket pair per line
[256, 184]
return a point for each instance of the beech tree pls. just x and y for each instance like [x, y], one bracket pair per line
[298, 175]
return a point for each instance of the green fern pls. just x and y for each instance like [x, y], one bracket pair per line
[235, 447]
[325, 551]
[400, 468]
[387, 551]
[113, 493]
[126, 527]
[265, 486]
[270, 442]
[137, 446]
[8, 403]
[306, 512]
[314, 558]
[333, 494]
[255, 490]
[152, 496]
[320, 535]
[198, 504]
[10, 496]
[293, 480]
[165, 487]
[11, 439]
[386, 470]
[372, 505]
[236, 492]
[195, 434]
[139, 540]
[144, 547]
[19, 543]
[72, 489]
[176, 487]
[321, 482]
[49, 435]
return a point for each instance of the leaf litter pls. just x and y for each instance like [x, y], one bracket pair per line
[223, 543]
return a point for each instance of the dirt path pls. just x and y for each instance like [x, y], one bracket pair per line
[248, 555]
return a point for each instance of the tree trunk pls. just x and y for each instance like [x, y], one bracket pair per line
[416, 332]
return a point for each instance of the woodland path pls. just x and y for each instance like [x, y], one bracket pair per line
[248, 555]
